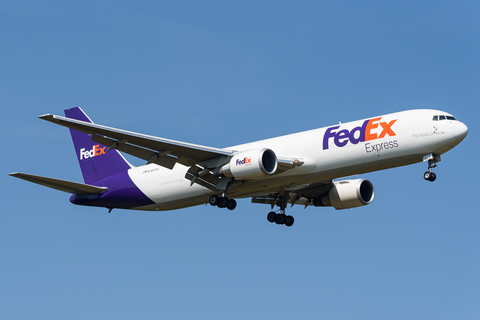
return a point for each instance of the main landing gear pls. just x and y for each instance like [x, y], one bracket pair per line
[278, 218]
[281, 218]
[222, 202]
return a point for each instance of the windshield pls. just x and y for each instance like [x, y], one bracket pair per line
[443, 117]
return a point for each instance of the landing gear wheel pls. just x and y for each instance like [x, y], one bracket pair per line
[426, 175]
[271, 216]
[213, 200]
[231, 204]
[289, 221]
[430, 176]
[222, 202]
[280, 218]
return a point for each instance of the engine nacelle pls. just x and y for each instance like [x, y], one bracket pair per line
[251, 164]
[347, 194]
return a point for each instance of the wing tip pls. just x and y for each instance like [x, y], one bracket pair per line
[46, 116]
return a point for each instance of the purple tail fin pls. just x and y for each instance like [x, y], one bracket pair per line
[95, 161]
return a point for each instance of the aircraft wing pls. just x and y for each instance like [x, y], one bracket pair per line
[62, 185]
[153, 149]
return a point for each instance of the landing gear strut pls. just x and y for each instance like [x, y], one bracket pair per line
[222, 202]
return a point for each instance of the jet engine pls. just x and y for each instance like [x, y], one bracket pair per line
[347, 194]
[251, 164]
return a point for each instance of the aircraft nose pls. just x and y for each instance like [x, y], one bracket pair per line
[460, 131]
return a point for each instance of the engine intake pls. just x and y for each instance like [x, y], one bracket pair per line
[251, 164]
[347, 194]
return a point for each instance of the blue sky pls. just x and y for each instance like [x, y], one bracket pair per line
[219, 74]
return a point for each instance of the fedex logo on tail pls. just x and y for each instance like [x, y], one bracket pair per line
[96, 151]
[244, 161]
[368, 131]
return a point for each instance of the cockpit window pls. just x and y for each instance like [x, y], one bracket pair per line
[442, 117]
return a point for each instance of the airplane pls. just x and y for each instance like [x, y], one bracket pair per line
[300, 168]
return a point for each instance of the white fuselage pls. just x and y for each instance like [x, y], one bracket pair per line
[328, 153]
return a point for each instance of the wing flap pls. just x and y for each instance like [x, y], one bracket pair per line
[62, 185]
[150, 156]
[302, 195]
[201, 181]
[198, 175]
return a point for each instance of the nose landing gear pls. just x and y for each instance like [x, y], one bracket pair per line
[429, 175]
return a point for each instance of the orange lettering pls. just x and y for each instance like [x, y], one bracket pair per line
[387, 129]
[371, 136]
[98, 150]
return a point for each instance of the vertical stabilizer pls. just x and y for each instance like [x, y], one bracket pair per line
[95, 161]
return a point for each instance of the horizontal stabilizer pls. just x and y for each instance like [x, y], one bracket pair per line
[62, 185]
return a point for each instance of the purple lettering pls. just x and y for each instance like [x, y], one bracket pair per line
[361, 134]
[341, 135]
[328, 134]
